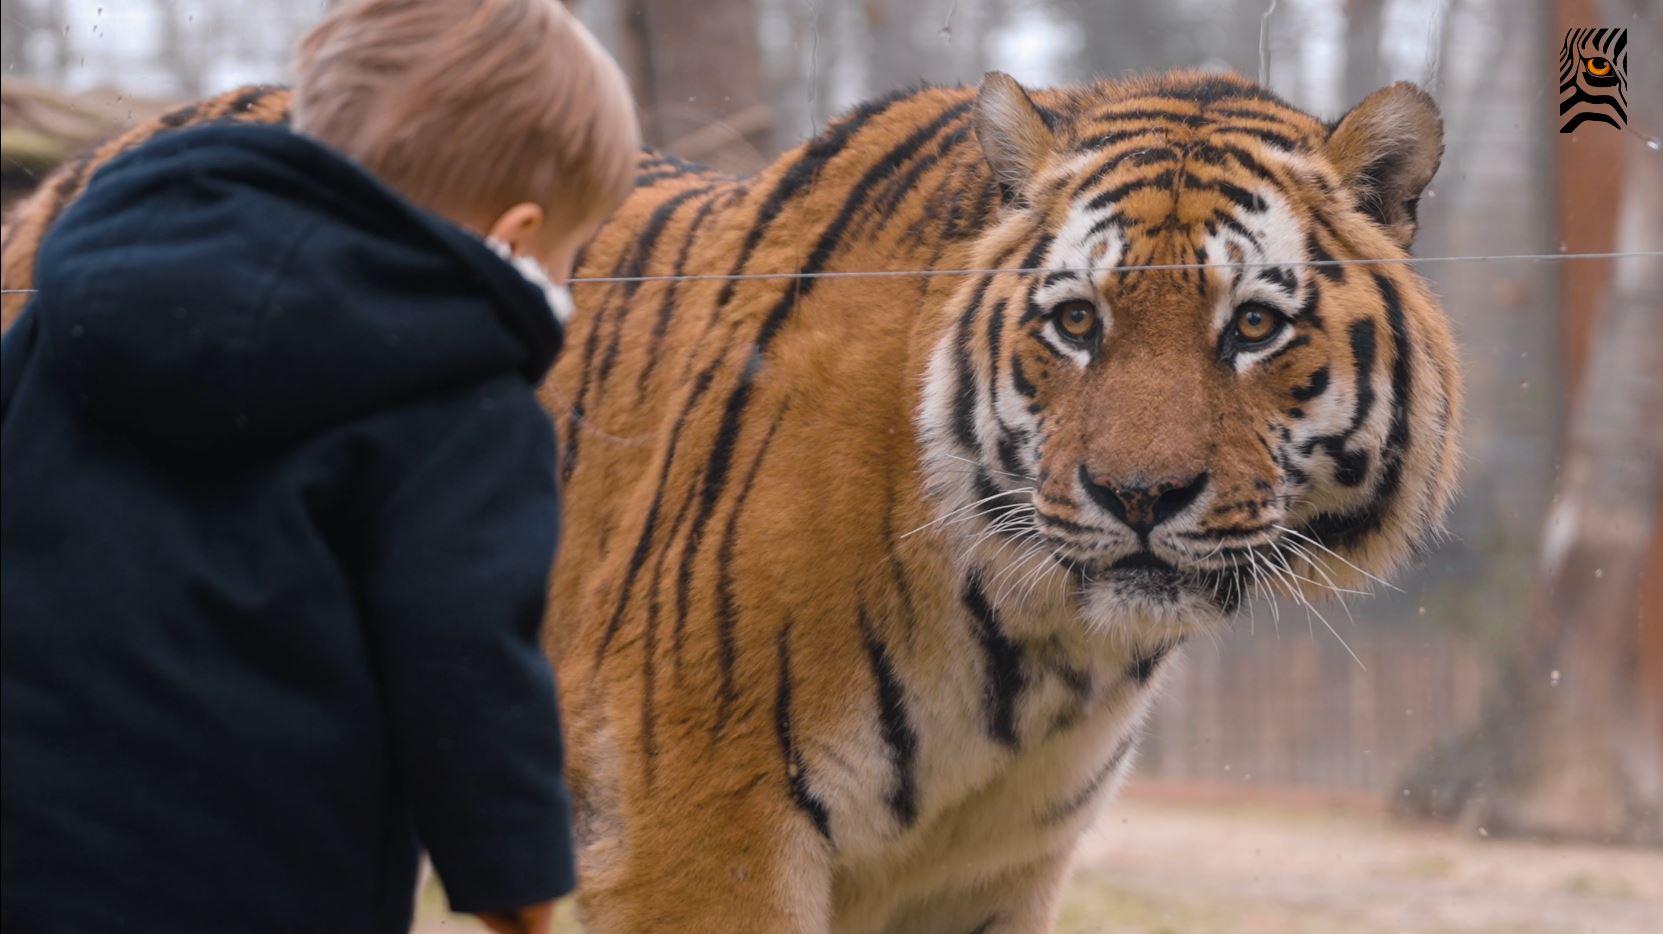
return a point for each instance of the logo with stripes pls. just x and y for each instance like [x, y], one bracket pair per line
[1593, 77]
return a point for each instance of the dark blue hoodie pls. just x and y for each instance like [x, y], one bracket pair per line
[278, 513]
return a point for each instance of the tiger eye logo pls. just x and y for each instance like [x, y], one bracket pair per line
[1593, 78]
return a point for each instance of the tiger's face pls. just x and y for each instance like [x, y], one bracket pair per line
[1175, 407]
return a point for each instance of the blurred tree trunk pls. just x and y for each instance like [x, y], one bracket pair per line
[1593, 763]
[1364, 71]
[1572, 742]
[696, 70]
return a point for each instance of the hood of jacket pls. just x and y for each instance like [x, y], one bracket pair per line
[245, 283]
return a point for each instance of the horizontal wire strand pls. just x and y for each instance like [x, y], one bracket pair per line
[1028, 270]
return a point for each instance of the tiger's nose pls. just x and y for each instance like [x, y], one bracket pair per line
[1144, 505]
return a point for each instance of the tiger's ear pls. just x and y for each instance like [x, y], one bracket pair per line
[1387, 150]
[1012, 131]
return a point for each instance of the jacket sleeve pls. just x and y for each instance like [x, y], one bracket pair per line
[456, 576]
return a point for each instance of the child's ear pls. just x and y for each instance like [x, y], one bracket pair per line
[517, 226]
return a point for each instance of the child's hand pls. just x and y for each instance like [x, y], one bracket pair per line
[533, 919]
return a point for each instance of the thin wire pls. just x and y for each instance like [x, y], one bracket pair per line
[1020, 270]
[1146, 267]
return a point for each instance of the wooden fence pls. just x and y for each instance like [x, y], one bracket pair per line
[1292, 709]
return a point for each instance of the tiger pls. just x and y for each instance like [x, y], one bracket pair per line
[898, 473]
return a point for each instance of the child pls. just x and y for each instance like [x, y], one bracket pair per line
[279, 504]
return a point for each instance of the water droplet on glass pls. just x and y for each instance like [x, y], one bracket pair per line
[1653, 144]
[1482, 832]
[1599, 573]
[1562, 246]
[1421, 611]
[1553, 678]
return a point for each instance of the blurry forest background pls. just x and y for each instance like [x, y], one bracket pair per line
[1514, 684]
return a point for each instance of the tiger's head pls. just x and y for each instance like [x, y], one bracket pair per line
[1189, 392]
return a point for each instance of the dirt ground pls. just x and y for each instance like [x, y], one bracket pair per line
[1164, 863]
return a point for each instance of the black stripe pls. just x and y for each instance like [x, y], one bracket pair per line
[1316, 386]
[1144, 112]
[727, 608]
[1003, 660]
[967, 393]
[661, 326]
[1075, 802]
[1351, 467]
[1019, 378]
[1349, 528]
[178, 118]
[796, 770]
[649, 650]
[1143, 666]
[995, 336]
[1241, 197]
[1105, 140]
[1301, 340]
[678, 632]
[1161, 180]
[898, 734]
[1144, 157]
[1009, 445]
[1315, 251]
[645, 244]
[1036, 253]
[1279, 276]
[801, 176]
[1212, 153]
[643, 546]
[886, 204]
[246, 100]
[1268, 136]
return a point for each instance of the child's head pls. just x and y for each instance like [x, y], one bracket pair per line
[503, 115]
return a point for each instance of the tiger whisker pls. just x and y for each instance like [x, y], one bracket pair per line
[943, 518]
[1340, 558]
[982, 466]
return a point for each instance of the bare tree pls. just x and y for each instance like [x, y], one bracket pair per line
[696, 70]
[1363, 69]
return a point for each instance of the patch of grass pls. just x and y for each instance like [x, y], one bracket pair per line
[1587, 883]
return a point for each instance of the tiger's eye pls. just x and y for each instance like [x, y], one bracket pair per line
[1255, 324]
[1076, 319]
[1599, 67]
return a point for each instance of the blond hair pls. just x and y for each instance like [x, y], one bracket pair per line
[467, 107]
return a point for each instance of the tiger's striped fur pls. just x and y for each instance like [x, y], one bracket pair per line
[850, 635]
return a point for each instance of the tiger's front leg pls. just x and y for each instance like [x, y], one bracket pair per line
[701, 841]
